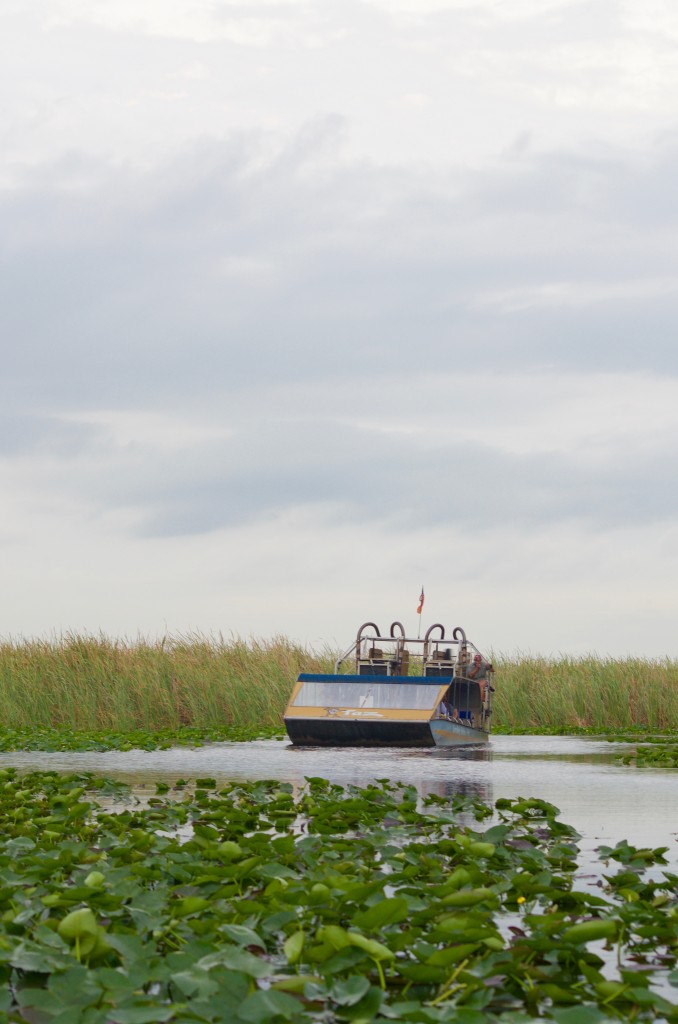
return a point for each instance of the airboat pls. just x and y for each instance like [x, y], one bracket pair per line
[396, 691]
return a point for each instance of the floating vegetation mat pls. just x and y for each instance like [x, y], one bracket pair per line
[258, 903]
[659, 755]
[53, 739]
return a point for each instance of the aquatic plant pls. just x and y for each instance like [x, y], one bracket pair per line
[658, 755]
[261, 903]
[563, 694]
[94, 684]
[64, 738]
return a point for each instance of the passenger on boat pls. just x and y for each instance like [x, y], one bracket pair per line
[454, 716]
[478, 670]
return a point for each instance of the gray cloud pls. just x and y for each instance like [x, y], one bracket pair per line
[44, 435]
[239, 268]
[272, 309]
[355, 474]
[224, 268]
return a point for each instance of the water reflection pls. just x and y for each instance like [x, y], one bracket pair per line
[452, 783]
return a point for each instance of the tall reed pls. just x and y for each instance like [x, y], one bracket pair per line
[97, 683]
[550, 694]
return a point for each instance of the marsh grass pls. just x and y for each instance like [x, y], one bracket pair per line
[98, 683]
[535, 694]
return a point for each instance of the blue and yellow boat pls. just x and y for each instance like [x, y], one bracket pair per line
[402, 692]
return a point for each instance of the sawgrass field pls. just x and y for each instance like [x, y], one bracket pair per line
[99, 683]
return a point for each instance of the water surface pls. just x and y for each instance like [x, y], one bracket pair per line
[604, 801]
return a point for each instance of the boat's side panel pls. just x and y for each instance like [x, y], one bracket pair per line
[355, 732]
[452, 734]
[387, 714]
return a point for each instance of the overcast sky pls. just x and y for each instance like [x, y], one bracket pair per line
[306, 304]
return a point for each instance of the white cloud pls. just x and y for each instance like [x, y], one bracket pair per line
[290, 292]
[554, 590]
[415, 80]
[575, 294]
[259, 25]
[157, 432]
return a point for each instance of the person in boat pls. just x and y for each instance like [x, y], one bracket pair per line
[445, 710]
[478, 670]
[449, 709]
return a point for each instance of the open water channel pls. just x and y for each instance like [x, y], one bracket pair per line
[604, 801]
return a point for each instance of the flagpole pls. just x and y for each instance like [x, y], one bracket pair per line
[420, 610]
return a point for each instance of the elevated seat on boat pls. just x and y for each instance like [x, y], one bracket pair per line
[378, 664]
[440, 663]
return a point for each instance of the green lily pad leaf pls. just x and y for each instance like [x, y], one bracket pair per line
[423, 973]
[579, 1015]
[76, 1015]
[35, 998]
[140, 1014]
[190, 905]
[78, 924]
[46, 937]
[111, 981]
[452, 954]
[275, 870]
[365, 1009]
[236, 960]
[465, 1015]
[351, 991]
[41, 961]
[407, 1010]
[392, 910]
[308, 984]
[590, 931]
[293, 946]
[344, 960]
[276, 922]
[242, 935]
[130, 947]
[497, 833]
[558, 995]
[377, 950]
[195, 982]
[206, 832]
[75, 987]
[267, 1006]
[334, 936]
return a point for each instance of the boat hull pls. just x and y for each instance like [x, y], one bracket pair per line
[331, 732]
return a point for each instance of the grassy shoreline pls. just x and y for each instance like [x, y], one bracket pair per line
[199, 682]
[586, 694]
[207, 683]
